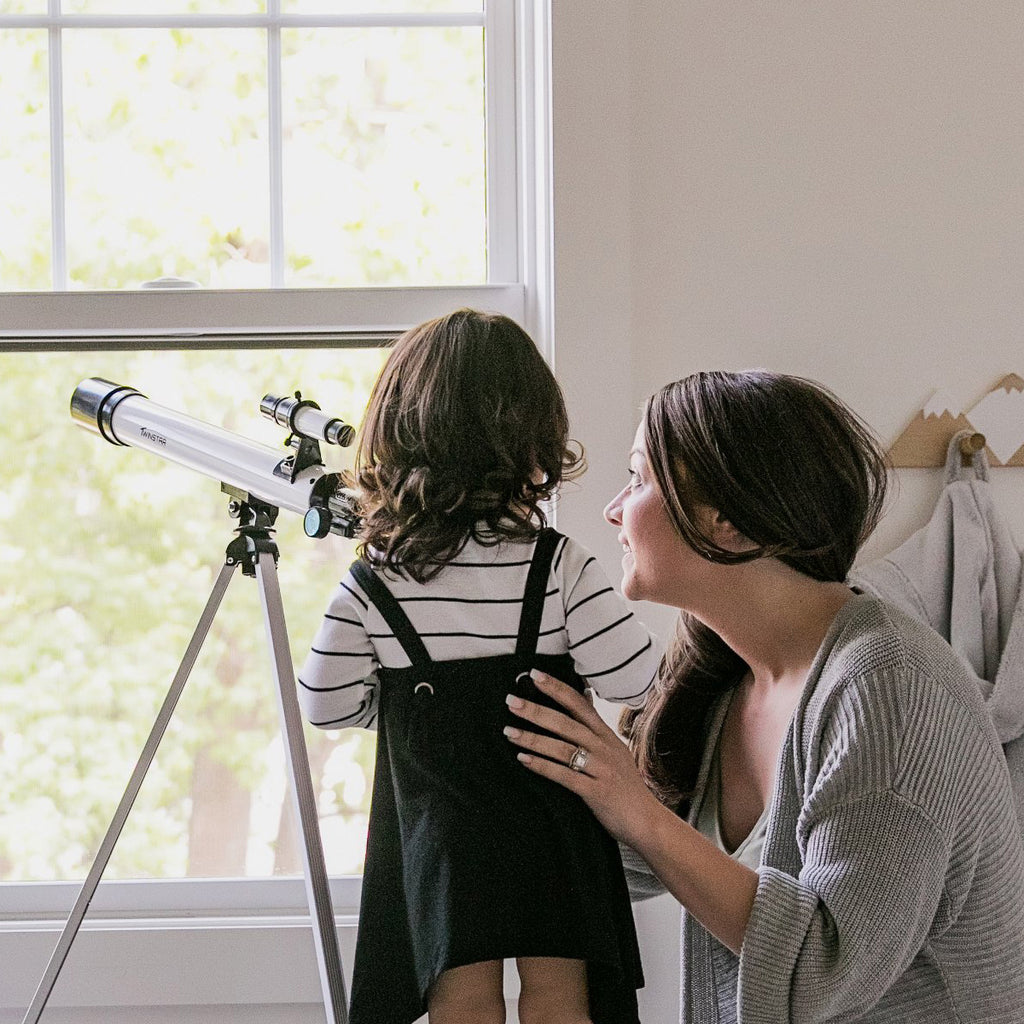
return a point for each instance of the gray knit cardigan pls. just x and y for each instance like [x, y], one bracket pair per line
[891, 887]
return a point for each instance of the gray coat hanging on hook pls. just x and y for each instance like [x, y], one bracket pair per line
[962, 575]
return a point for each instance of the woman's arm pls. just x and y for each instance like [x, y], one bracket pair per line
[715, 889]
[826, 943]
[642, 882]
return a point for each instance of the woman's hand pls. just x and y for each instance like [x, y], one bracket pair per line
[607, 779]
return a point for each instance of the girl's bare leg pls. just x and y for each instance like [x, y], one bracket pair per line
[468, 995]
[554, 991]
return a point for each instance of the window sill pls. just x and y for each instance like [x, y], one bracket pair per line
[171, 962]
[241, 948]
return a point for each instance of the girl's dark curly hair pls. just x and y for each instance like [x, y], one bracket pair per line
[465, 435]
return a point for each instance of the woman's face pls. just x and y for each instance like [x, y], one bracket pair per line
[656, 561]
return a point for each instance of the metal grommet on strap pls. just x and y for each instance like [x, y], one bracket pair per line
[524, 679]
[419, 686]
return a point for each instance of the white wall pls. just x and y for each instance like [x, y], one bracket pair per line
[831, 189]
[834, 190]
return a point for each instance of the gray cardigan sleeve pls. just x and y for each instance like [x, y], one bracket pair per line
[828, 944]
[891, 769]
[643, 883]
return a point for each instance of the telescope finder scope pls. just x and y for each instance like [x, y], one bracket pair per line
[305, 418]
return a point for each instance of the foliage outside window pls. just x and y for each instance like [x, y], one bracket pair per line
[107, 557]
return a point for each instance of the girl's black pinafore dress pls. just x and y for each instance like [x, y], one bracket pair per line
[470, 856]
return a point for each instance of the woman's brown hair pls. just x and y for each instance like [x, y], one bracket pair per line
[798, 474]
[465, 434]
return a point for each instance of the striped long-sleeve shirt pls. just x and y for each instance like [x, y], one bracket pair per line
[471, 609]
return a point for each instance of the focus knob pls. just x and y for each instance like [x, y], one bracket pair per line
[317, 522]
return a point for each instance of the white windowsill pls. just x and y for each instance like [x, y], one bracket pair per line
[211, 942]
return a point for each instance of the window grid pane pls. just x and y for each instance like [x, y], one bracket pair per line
[181, 114]
[24, 161]
[384, 170]
[22, 6]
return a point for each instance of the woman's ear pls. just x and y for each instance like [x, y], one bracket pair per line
[725, 535]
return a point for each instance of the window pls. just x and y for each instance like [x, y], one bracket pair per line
[209, 201]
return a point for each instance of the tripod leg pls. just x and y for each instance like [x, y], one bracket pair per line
[318, 893]
[85, 895]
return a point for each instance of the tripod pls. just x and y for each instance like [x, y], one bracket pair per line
[256, 552]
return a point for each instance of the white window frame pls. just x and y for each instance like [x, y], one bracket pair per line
[228, 941]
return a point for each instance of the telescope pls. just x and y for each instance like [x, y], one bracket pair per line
[260, 482]
[247, 470]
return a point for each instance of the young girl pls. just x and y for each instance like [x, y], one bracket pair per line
[461, 591]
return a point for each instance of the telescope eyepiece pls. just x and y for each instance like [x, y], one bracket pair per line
[305, 418]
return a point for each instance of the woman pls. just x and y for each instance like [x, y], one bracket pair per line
[814, 778]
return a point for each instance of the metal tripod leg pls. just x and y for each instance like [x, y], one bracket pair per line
[318, 894]
[261, 555]
[67, 936]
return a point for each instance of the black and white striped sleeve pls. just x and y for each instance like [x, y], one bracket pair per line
[338, 682]
[613, 650]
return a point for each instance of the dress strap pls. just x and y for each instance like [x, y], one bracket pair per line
[536, 586]
[386, 603]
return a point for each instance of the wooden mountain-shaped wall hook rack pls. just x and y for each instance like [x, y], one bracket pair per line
[999, 416]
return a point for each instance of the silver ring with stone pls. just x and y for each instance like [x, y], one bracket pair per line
[579, 759]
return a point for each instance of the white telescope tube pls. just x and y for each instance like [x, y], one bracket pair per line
[124, 416]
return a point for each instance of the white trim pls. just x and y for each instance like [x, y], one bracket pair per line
[210, 941]
[503, 259]
[160, 963]
[175, 897]
[224, 964]
[58, 191]
[275, 144]
[79, 317]
[411, 19]
[537, 247]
